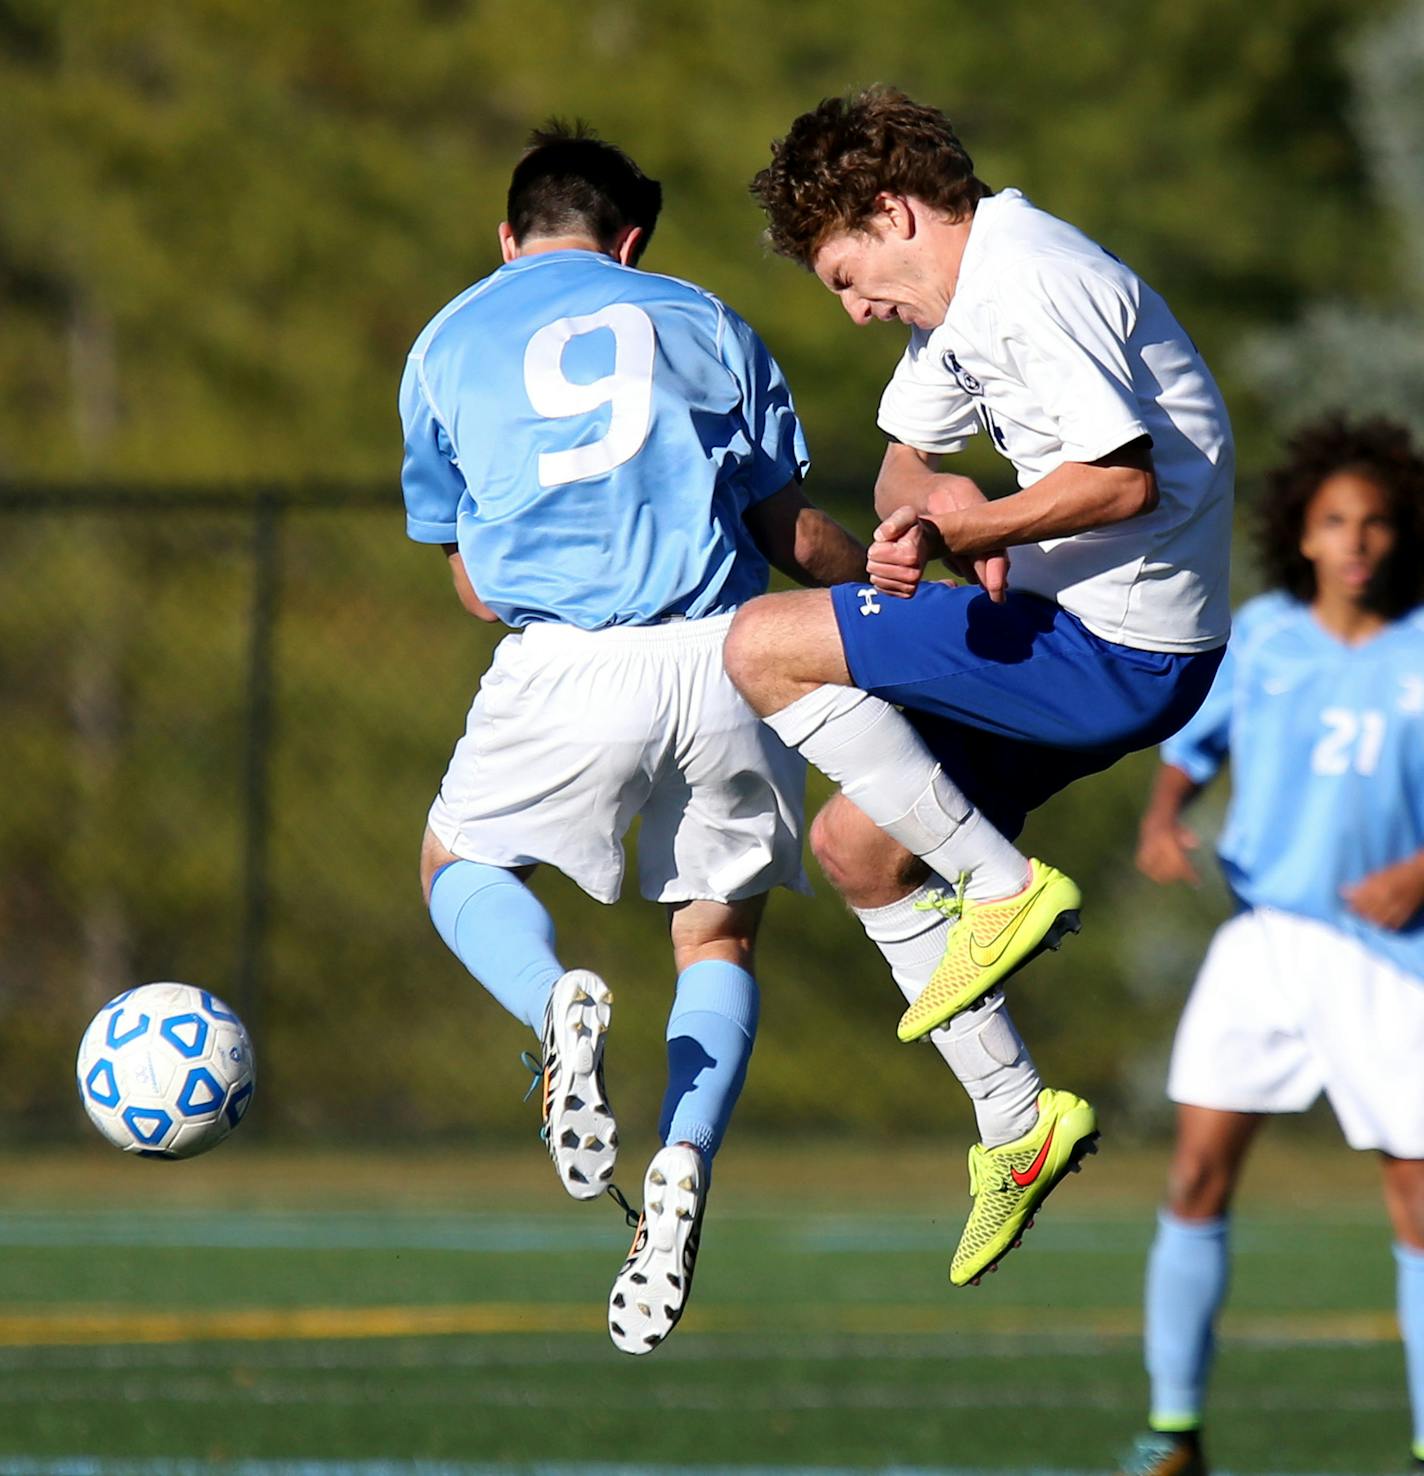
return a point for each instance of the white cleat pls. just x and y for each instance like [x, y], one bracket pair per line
[651, 1291]
[578, 1122]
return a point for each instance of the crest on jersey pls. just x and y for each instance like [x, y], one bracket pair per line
[962, 377]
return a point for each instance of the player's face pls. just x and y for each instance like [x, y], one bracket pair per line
[882, 274]
[1349, 532]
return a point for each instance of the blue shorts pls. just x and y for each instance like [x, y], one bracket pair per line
[1015, 700]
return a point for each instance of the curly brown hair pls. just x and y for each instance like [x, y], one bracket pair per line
[825, 175]
[1377, 449]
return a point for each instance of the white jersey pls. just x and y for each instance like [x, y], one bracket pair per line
[1061, 353]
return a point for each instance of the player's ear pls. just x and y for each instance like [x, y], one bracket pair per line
[628, 245]
[895, 215]
[508, 246]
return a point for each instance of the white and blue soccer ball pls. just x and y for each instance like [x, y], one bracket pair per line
[166, 1071]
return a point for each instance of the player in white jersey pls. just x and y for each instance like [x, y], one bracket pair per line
[1317, 984]
[1096, 624]
[608, 459]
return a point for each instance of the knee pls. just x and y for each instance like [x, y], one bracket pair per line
[1404, 1198]
[860, 861]
[833, 846]
[742, 650]
[433, 855]
[1199, 1185]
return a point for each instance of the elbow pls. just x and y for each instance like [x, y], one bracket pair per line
[1135, 495]
[885, 497]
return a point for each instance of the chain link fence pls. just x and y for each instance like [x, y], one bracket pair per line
[224, 717]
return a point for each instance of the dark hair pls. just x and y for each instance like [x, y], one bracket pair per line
[1377, 449]
[569, 182]
[824, 176]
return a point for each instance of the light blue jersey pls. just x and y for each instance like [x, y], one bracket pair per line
[1327, 750]
[591, 436]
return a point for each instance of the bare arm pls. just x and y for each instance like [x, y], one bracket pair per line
[464, 589]
[803, 542]
[1390, 897]
[1164, 844]
[908, 486]
[1072, 498]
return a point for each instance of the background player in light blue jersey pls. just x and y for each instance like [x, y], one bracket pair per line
[1318, 982]
[608, 459]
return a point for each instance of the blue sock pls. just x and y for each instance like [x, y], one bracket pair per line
[1410, 1288]
[710, 1034]
[1187, 1274]
[500, 931]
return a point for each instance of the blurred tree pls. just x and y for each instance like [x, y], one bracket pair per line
[1344, 353]
[224, 223]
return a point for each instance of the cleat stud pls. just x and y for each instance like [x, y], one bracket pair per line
[606, 1172]
[570, 1139]
[656, 1177]
[618, 1299]
[653, 1339]
[639, 1278]
[607, 997]
[656, 1206]
[683, 1214]
[685, 1184]
[580, 996]
[676, 1281]
[643, 1307]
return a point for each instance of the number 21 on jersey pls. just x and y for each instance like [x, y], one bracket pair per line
[1352, 741]
[628, 390]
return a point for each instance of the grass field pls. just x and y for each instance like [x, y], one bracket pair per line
[272, 1313]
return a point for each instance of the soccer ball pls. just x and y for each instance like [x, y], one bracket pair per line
[165, 1071]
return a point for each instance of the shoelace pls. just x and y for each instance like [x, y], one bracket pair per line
[977, 1157]
[943, 903]
[535, 1067]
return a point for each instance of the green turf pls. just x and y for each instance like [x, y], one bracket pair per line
[823, 1331]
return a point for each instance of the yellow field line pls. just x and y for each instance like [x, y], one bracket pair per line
[75, 1326]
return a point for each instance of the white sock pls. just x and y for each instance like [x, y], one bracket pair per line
[981, 1045]
[883, 767]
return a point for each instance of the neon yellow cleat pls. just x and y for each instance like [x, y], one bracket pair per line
[989, 941]
[1009, 1183]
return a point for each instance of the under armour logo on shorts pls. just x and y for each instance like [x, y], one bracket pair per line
[868, 605]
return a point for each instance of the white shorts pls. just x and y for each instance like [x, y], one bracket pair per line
[1284, 1008]
[573, 733]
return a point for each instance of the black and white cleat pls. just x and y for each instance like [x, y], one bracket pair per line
[651, 1291]
[579, 1127]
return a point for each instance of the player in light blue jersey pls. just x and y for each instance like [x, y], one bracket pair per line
[609, 459]
[1318, 982]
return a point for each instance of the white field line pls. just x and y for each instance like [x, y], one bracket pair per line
[487, 1234]
[930, 1396]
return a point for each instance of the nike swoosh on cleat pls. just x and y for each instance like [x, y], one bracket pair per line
[1023, 1180]
[987, 955]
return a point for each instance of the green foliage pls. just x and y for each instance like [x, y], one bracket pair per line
[1342, 354]
[224, 223]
